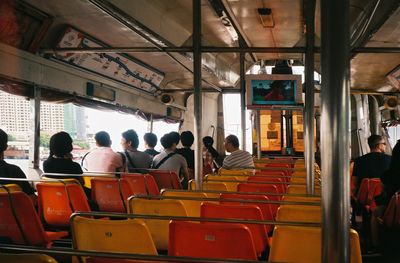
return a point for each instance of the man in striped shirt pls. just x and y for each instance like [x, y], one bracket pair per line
[237, 158]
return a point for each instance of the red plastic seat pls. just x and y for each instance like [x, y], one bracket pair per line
[142, 184]
[30, 223]
[391, 217]
[56, 205]
[281, 165]
[212, 240]
[166, 179]
[262, 188]
[110, 194]
[369, 188]
[281, 187]
[249, 212]
[266, 209]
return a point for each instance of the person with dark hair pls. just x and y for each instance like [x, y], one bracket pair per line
[60, 158]
[276, 91]
[210, 156]
[13, 171]
[134, 158]
[168, 160]
[103, 158]
[150, 141]
[237, 158]
[187, 140]
[176, 137]
[373, 164]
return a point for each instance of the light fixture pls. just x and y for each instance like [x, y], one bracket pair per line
[266, 17]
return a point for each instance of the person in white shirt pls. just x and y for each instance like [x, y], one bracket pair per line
[237, 158]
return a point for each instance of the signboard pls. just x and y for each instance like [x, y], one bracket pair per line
[115, 66]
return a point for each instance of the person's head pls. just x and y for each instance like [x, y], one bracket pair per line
[176, 137]
[231, 143]
[60, 144]
[208, 141]
[376, 143]
[130, 140]
[277, 86]
[168, 142]
[3, 141]
[187, 138]
[150, 139]
[102, 139]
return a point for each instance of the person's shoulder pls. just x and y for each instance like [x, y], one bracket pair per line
[14, 169]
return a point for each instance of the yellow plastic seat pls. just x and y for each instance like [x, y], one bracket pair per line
[26, 258]
[299, 213]
[232, 186]
[311, 199]
[66, 180]
[124, 236]
[12, 188]
[159, 229]
[233, 172]
[301, 189]
[192, 206]
[215, 186]
[303, 245]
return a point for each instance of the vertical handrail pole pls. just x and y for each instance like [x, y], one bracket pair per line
[335, 131]
[34, 134]
[243, 99]
[309, 103]
[258, 132]
[150, 124]
[198, 168]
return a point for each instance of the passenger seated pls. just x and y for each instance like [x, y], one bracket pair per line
[211, 157]
[150, 141]
[176, 137]
[237, 158]
[187, 139]
[60, 159]
[371, 165]
[134, 158]
[103, 158]
[13, 171]
[168, 160]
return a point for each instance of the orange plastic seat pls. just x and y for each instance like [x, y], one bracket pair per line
[369, 188]
[266, 209]
[262, 188]
[281, 165]
[391, 217]
[142, 184]
[166, 179]
[31, 232]
[56, 204]
[250, 212]
[212, 240]
[110, 194]
[281, 187]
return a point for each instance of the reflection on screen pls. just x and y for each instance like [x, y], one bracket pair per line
[270, 92]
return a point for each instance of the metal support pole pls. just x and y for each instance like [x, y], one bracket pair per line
[198, 168]
[243, 99]
[34, 134]
[309, 141]
[258, 132]
[150, 124]
[335, 131]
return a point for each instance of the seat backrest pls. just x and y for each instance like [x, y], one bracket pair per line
[215, 186]
[27, 218]
[280, 165]
[211, 240]
[142, 184]
[299, 213]
[391, 217]
[124, 236]
[54, 202]
[11, 188]
[26, 258]
[262, 188]
[362, 195]
[110, 195]
[158, 228]
[249, 212]
[266, 209]
[231, 186]
[233, 172]
[301, 189]
[303, 245]
[192, 206]
[281, 187]
[166, 179]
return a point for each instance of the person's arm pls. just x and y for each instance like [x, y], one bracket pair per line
[185, 173]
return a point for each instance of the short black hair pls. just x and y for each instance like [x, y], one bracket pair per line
[60, 144]
[3, 140]
[151, 139]
[167, 140]
[234, 140]
[187, 138]
[103, 138]
[131, 136]
[175, 136]
[373, 141]
[208, 141]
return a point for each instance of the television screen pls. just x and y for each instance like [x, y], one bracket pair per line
[273, 89]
